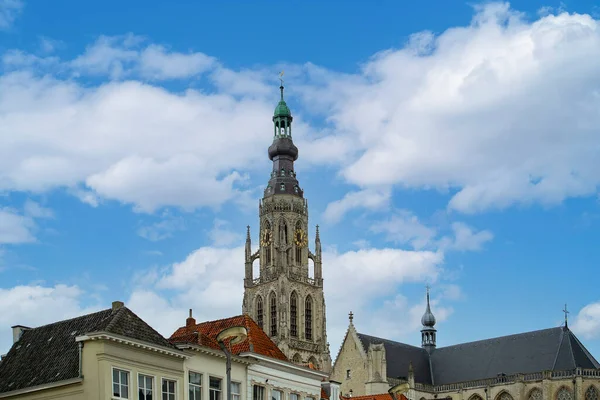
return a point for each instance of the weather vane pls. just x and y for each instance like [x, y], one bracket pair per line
[281, 77]
[566, 315]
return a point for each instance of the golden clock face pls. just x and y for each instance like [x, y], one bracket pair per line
[300, 238]
[265, 239]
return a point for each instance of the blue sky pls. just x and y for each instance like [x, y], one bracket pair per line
[441, 142]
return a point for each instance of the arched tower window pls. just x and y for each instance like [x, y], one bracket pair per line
[259, 311]
[314, 362]
[294, 315]
[297, 359]
[273, 302]
[308, 318]
[591, 393]
[266, 242]
[475, 397]
[535, 394]
[564, 394]
[298, 248]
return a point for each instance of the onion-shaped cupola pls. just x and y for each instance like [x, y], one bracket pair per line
[283, 152]
[428, 333]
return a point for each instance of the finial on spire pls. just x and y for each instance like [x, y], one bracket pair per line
[281, 80]
[248, 233]
[566, 316]
[428, 320]
[351, 317]
[317, 236]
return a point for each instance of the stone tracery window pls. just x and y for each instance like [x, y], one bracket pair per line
[591, 393]
[273, 302]
[259, 311]
[294, 315]
[308, 318]
[504, 396]
[535, 394]
[564, 394]
[476, 397]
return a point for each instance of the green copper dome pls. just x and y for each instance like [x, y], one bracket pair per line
[282, 110]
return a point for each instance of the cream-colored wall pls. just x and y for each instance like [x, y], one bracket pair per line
[215, 366]
[285, 381]
[111, 355]
[351, 358]
[98, 359]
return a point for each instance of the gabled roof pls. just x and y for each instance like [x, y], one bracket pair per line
[548, 349]
[49, 353]
[399, 356]
[205, 334]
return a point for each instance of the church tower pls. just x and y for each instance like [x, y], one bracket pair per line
[286, 298]
[428, 333]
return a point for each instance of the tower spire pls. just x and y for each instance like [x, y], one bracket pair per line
[428, 333]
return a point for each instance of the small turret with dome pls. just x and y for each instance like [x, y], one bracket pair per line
[428, 333]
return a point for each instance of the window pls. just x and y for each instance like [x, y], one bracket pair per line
[195, 380]
[347, 374]
[258, 392]
[294, 315]
[273, 302]
[259, 311]
[591, 393]
[236, 390]
[214, 388]
[120, 384]
[535, 394]
[276, 395]
[145, 387]
[564, 394]
[168, 389]
[308, 318]
[294, 396]
[282, 187]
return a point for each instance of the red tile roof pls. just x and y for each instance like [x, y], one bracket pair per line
[381, 396]
[205, 334]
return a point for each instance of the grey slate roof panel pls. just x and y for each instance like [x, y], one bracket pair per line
[547, 349]
[399, 356]
[49, 353]
[521, 353]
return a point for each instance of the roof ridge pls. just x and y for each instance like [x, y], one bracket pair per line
[221, 320]
[500, 337]
[69, 319]
[562, 337]
[389, 340]
[583, 348]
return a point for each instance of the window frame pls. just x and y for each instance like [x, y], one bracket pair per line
[112, 383]
[164, 378]
[308, 318]
[264, 391]
[239, 395]
[281, 392]
[201, 386]
[273, 314]
[139, 374]
[221, 380]
[294, 314]
[298, 396]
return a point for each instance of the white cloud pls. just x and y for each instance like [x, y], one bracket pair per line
[371, 199]
[124, 56]
[464, 238]
[405, 227]
[9, 10]
[37, 305]
[503, 111]
[35, 210]
[162, 229]
[15, 228]
[587, 322]
[221, 236]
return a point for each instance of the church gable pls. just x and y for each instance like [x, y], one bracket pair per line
[350, 366]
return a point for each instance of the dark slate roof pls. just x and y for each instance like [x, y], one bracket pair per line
[399, 356]
[548, 349]
[50, 354]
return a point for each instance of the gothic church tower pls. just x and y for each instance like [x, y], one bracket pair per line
[286, 298]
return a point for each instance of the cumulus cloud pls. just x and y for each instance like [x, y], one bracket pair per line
[501, 112]
[464, 238]
[371, 199]
[163, 229]
[587, 322]
[15, 228]
[37, 305]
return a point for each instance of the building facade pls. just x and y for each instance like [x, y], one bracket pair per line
[286, 298]
[547, 364]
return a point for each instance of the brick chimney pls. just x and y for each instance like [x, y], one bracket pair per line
[117, 305]
[17, 332]
[190, 321]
